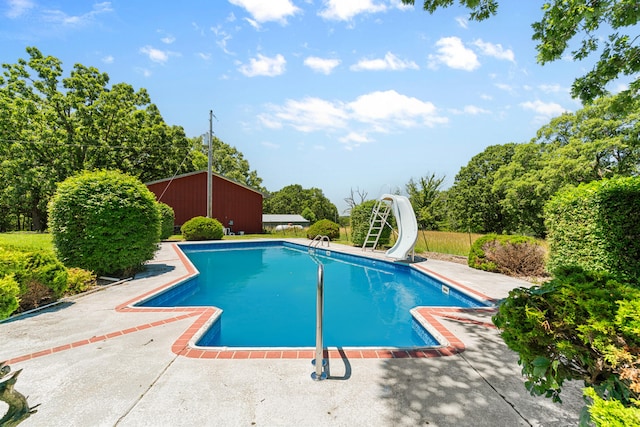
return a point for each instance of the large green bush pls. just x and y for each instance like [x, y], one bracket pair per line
[167, 218]
[202, 228]
[104, 221]
[361, 220]
[597, 227]
[324, 227]
[508, 254]
[580, 325]
[9, 291]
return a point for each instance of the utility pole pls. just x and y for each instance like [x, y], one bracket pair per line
[210, 169]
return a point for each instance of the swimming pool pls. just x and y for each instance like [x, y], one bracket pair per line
[267, 293]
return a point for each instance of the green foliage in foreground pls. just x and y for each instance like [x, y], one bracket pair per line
[580, 325]
[104, 221]
[612, 413]
[597, 227]
[39, 277]
[202, 228]
[9, 291]
[324, 227]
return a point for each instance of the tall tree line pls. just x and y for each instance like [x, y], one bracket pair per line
[52, 127]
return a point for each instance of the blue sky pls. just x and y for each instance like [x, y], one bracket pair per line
[333, 94]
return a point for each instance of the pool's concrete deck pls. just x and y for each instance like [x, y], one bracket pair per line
[87, 364]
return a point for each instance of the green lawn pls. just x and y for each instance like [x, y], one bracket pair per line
[429, 241]
[27, 240]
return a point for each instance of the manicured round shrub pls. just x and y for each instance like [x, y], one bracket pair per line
[324, 227]
[104, 221]
[508, 254]
[9, 290]
[167, 218]
[202, 228]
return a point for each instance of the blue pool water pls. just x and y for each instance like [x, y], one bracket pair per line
[267, 292]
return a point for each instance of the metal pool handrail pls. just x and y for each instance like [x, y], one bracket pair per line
[319, 241]
[319, 362]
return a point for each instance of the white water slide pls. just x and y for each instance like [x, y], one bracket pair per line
[407, 226]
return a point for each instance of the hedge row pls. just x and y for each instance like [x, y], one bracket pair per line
[597, 227]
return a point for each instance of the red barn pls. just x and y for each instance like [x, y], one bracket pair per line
[235, 205]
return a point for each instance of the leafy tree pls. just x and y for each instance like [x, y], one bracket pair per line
[599, 141]
[562, 22]
[424, 195]
[309, 215]
[293, 199]
[52, 127]
[472, 201]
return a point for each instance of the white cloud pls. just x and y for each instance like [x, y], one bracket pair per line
[473, 110]
[144, 71]
[545, 109]
[265, 11]
[551, 88]
[399, 5]
[203, 55]
[504, 86]
[374, 112]
[18, 8]
[168, 39]
[453, 54]
[345, 10]
[60, 17]
[389, 62]
[355, 137]
[156, 55]
[310, 114]
[321, 65]
[392, 108]
[494, 50]
[270, 145]
[222, 38]
[264, 66]
[108, 59]
[463, 22]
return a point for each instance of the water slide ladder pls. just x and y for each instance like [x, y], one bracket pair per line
[319, 362]
[377, 222]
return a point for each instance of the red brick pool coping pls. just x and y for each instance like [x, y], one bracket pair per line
[428, 316]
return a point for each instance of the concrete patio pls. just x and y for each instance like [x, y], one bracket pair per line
[86, 364]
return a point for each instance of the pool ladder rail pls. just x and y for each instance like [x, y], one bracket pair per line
[319, 362]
